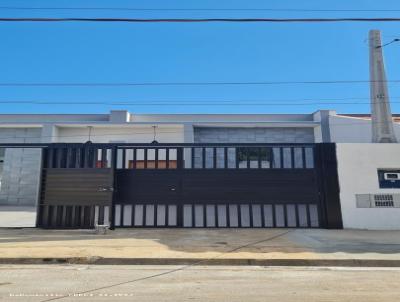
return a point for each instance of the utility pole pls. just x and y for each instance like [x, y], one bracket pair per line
[381, 115]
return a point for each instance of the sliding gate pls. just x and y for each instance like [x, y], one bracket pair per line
[189, 185]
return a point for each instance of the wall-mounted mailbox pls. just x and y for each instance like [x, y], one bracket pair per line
[389, 178]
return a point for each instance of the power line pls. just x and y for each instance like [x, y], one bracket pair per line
[202, 20]
[198, 9]
[120, 84]
[391, 42]
[188, 103]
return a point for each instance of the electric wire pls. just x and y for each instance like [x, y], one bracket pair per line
[391, 42]
[218, 9]
[186, 103]
[202, 20]
[210, 102]
[119, 84]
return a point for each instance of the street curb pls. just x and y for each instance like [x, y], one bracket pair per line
[194, 261]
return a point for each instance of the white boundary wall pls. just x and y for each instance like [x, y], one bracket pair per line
[344, 129]
[357, 169]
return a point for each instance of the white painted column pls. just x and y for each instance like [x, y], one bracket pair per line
[49, 133]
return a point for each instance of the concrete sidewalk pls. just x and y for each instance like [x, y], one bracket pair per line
[17, 216]
[204, 246]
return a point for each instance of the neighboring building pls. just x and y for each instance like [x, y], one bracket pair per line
[20, 168]
[321, 126]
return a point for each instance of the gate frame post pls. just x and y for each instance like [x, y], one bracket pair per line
[43, 158]
[180, 167]
[328, 186]
[114, 195]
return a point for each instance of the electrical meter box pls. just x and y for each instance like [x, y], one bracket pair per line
[389, 178]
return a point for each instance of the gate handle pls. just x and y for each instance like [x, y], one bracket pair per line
[105, 189]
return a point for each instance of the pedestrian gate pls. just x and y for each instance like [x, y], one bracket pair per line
[189, 185]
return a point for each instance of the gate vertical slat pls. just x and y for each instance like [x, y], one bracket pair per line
[308, 215]
[73, 218]
[156, 158]
[214, 158]
[45, 216]
[166, 215]
[103, 158]
[262, 216]
[272, 156]
[94, 157]
[167, 158]
[134, 164]
[179, 158]
[225, 157]
[296, 208]
[82, 218]
[123, 158]
[251, 214]
[239, 213]
[204, 215]
[144, 215]
[55, 216]
[292, 158]
[59, 157]
[64, 216]
[228, 216]
[92, 221]
[192, 158]
[155, 215]
[99, 218]
[122, 210]
[248, 155]
[216, 215]
[68, 158]
[86, 157]
[203, 158]
[236, 158]
[78, 158]
[273, 215]
[49, 216]
[49, 160]
[303, 156]
[193, 216]
[145, 150]
[133, 215]
[285, 214]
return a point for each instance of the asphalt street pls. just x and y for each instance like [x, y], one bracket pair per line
[196, 283]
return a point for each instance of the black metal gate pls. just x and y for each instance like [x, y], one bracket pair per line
[77, 186]
[190, 185]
